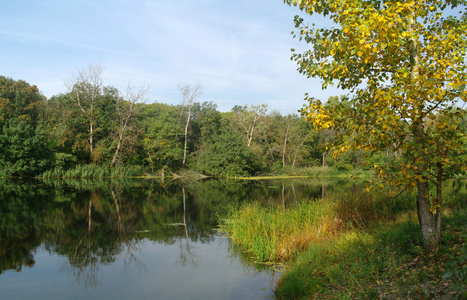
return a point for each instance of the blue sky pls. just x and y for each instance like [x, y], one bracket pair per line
[238, 51]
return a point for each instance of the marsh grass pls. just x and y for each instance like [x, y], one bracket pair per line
[92, 171]
[275, 234]
[353, 246]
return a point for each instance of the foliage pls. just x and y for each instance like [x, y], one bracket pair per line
[24, 151]
[154, 137]
[163, 132]
[19, 100]
[226, 156]
[404, 65]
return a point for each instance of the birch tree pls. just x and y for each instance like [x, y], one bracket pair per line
[189, 94]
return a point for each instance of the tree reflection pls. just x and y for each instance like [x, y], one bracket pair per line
[21, 219]
[131, 244]
[84, 263]
[186, 256]
[95, 223]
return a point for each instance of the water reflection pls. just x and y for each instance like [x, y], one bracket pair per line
[159, 233]
[91, 222]
[91, 227]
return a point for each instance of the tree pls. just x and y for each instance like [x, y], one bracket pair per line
[247, 119]
[19, 100]
[85, 88]
[206, 123]
[227, 156]
[189, 94]
[403, 64]
[162, 135]
[125, 108]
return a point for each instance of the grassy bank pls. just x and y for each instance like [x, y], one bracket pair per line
[317, 171]
[351, 246]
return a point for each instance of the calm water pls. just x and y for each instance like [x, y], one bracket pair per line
[69, 239]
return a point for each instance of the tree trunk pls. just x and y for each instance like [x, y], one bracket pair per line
[90, 136]
[425, 217]
[186, 135]
[439, 199]
[114, 158]
[189, 94]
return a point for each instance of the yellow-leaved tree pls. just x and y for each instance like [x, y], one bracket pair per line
[404, 66]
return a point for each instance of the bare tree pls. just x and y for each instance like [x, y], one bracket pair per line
[189, 94]
[248, 118]
[85, 86]
[125, 107]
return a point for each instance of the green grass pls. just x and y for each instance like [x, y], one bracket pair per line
[354, 246]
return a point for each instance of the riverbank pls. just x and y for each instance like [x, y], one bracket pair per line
[359, 245]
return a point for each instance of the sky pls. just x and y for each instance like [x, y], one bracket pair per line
[237, 51]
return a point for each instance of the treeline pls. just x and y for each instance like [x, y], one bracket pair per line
[97, 129]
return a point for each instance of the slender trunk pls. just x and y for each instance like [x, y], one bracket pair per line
[324, 159]
[186, 135]
[269, 148]
[189, 94]
[439, 200]
[250, 133]
[90, 136]
[122, 128]
[114, 158]
[298, 149]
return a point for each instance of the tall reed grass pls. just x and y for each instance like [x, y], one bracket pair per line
[93, 171]
[356, 245]
[275, 234]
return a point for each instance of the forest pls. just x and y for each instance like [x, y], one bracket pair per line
[97, 130]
